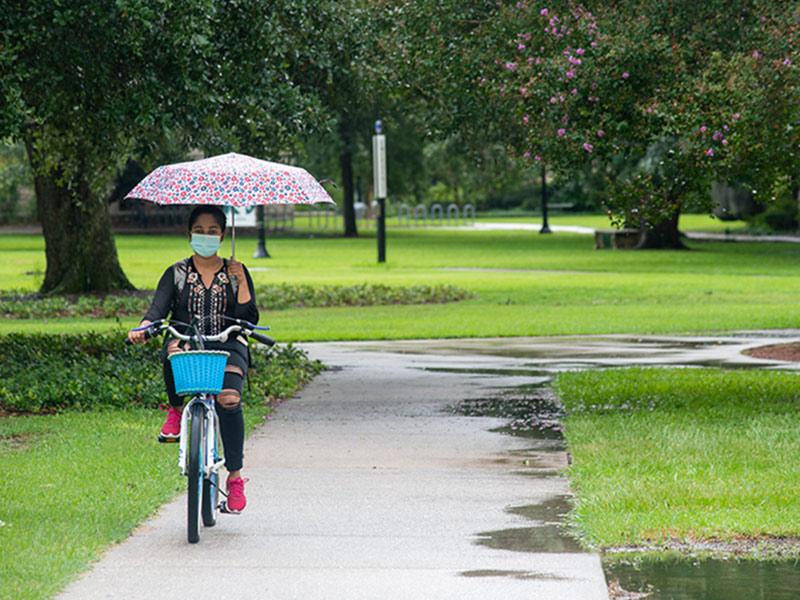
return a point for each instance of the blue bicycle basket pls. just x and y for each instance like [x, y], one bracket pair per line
[198, 371]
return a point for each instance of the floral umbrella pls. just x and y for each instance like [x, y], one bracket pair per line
[230, 180]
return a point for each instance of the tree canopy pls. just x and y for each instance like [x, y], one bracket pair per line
[665, 96]
[88, 85]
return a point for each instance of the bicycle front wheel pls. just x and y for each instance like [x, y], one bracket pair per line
[211, 492]
[195, 472]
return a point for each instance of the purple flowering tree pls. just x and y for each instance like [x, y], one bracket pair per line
[662, 97]
[665, 97]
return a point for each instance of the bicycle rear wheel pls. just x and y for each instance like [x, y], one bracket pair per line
[195, 472]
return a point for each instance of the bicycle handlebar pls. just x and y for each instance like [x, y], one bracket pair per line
[239, 326]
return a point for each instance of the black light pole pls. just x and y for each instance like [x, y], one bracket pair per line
[261, 248]
[545, 226]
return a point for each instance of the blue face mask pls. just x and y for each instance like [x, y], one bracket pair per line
[205, 245]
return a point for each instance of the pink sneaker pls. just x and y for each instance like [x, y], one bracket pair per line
[171, 430]
[236, 500]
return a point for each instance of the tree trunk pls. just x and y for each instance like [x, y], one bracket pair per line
[79, 248]
[346, 164]
[663, 235]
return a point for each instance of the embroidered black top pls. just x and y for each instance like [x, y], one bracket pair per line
[206, 305]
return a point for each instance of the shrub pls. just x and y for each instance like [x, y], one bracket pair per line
[49, 373]
[19, 305]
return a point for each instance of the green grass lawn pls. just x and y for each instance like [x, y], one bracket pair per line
[73, 483]
[682, 454]
[531, 285]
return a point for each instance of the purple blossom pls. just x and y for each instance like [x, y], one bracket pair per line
[574, 61]
[574, 91]
[561, 132]
[520, 46]
[710, 152]
[544, 12]
[526, 154]
[523, 91]
[593, 44]
[724, 142]
[571, 74]
[580, 51]
[526, 119]
[787, 62]
[725, 127]
[553, 100]
[538, 61]
[625, 75]
[600, 133]
[756, 54]
[537, 158]
[588, 147]
[511, 66]
[703, 129]
[736, 116]
[717, 136]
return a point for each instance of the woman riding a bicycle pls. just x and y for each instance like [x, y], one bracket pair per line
[203, 290]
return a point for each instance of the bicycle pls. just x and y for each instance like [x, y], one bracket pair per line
[200, 372]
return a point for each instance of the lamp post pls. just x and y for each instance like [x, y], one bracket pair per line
[261, 248]
[545, 226]
[379, 178]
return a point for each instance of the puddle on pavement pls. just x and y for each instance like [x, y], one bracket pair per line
[501, 372]
[547, 535]
[512, 574]
[536, 414]
[706, 580]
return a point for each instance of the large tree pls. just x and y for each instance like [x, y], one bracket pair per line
[88, 85]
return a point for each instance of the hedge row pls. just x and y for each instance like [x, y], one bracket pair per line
[48, 373]
[18, 305]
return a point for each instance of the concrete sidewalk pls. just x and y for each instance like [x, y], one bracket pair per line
[366, 487]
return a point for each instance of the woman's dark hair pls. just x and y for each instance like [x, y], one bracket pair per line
[208, 209]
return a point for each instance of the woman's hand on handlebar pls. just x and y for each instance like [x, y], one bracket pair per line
[139, 337]
[175, 346]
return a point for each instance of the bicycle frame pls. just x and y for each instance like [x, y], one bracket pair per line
[210, 462]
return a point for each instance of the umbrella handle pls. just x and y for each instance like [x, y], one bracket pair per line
[233, 233]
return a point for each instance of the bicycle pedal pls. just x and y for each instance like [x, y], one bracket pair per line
[223, 508]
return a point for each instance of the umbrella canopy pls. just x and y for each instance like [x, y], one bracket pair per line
[230, 180]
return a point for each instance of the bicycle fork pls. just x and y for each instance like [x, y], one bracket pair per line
[211, 462]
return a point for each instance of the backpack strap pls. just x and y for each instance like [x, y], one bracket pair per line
[180, 271]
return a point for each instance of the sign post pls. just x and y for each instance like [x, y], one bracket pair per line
[379, 179]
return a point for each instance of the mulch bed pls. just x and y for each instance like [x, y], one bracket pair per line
[789, 352]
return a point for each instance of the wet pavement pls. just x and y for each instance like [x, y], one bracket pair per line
[383, 480]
